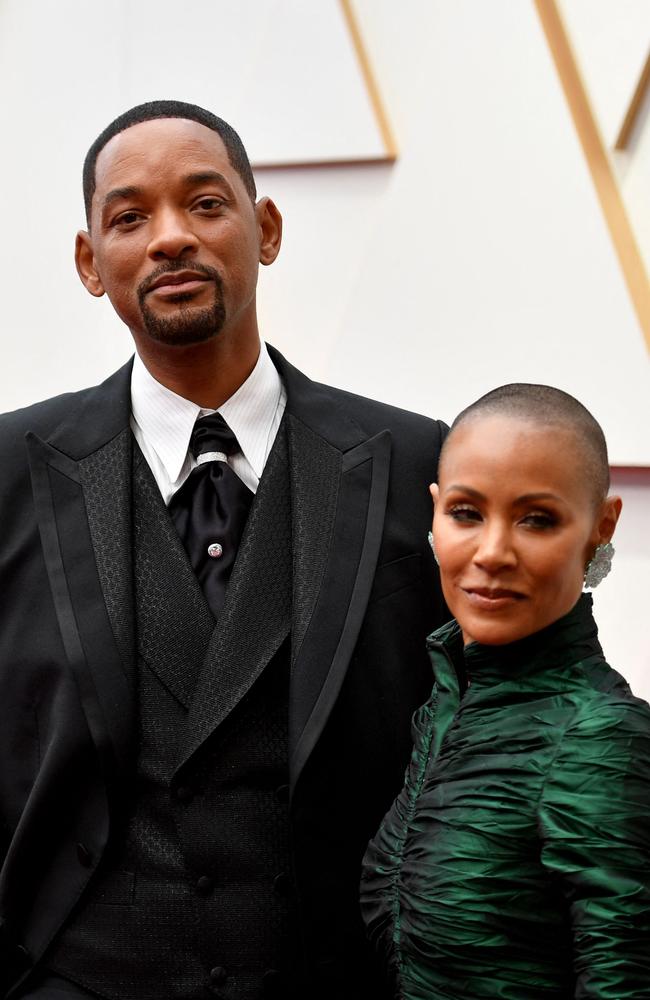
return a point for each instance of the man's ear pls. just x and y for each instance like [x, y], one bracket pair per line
[84, 258]
[269, 221]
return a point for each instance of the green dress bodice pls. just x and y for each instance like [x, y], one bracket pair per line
[515, 863]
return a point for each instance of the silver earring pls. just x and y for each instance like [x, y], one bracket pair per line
[599, 565]
[430, 537]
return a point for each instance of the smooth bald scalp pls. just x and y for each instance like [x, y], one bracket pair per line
[545, 406]
[237, 154]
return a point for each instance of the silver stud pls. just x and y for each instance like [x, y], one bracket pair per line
[215, 551]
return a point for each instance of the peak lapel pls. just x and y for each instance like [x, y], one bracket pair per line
[338, 524]
[339, 486]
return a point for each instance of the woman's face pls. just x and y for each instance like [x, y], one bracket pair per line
[514, 526]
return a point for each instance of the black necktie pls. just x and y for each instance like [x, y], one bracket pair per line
[211, 507]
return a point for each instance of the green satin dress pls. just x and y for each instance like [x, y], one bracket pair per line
[515, 863]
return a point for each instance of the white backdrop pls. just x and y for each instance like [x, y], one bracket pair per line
[480, 257]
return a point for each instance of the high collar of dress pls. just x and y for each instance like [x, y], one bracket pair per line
[569, 639]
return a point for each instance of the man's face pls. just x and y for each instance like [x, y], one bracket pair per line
[175, 241]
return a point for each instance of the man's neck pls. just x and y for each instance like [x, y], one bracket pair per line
[207, 374]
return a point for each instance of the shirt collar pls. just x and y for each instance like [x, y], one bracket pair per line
[251, 410]
[166, 419]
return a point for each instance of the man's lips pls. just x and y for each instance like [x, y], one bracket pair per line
[178, 282]
[492, 597]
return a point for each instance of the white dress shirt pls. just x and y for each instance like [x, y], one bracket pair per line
[162, 423]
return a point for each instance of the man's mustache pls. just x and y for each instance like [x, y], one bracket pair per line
[178, 265]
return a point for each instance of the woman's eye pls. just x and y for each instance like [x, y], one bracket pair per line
[539, 519]
[464, 512]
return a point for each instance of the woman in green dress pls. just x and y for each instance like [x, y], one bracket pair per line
[515, 863]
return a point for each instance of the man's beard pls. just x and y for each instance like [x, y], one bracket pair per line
[188, 325]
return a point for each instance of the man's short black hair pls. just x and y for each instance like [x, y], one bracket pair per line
[169, 109]
[546, 406]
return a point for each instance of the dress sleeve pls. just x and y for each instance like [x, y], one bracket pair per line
[594, 822]
[383, 858]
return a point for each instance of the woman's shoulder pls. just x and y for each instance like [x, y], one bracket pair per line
[606, 700]
[604, 749]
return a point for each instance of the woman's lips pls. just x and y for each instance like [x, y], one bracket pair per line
[492, 598]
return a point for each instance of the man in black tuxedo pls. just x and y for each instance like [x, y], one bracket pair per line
[194, 750]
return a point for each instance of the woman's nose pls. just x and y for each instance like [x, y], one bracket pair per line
[495, 548]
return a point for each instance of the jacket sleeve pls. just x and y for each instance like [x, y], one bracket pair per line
[594, 820]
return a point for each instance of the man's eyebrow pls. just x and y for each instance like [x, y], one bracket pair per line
[124, 192]
[206, 177]
[192, 180]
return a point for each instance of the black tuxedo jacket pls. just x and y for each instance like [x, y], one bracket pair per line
[365, 594]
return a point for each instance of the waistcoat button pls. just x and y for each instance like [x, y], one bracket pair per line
[282, 793]
[282, 884]
[273, 983]
[204, 885]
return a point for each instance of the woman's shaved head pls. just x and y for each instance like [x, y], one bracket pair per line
[544, 406]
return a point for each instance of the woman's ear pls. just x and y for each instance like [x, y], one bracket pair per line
[435, 492]
[609, 515]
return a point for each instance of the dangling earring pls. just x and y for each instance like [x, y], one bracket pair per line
[430, 537]
[599, 565]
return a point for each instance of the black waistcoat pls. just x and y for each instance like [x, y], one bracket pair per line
[194, 896]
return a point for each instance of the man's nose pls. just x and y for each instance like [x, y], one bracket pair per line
[171, 236]
[495, 548]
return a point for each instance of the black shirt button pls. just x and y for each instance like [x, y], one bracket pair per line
[204, 885]
[84, 856]
[273, 984]
[282, 884]
[218, 975]
[184, 793]
[282, 793]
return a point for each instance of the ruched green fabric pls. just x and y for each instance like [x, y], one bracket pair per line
[515, 863]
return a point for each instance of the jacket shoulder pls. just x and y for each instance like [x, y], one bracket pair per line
[79, 411]
[41, 418]
[321, 401]
[372, 411]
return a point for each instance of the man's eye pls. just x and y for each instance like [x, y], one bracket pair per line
[127, 219]
[464, 512]
[208, 204]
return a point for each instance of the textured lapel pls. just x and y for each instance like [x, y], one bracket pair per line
[339, 485]
[175, 624]
[80, 481]
[106, 481]
[256, 617]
